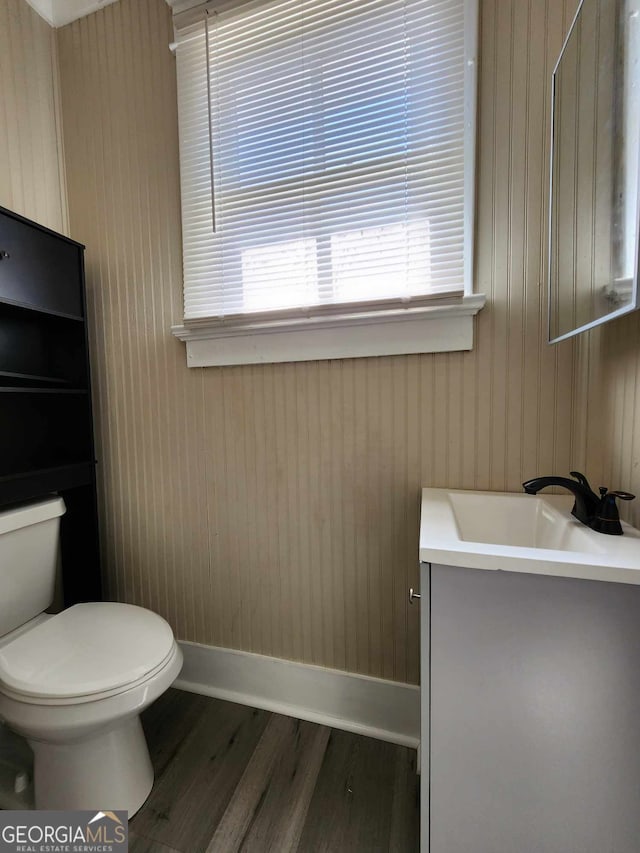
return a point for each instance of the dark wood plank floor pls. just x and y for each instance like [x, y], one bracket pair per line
[231, 778]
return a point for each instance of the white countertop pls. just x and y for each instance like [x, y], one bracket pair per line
[588, 555]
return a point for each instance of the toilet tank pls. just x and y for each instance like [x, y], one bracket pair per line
[29, 535]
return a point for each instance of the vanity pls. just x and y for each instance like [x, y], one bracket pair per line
[530, 673]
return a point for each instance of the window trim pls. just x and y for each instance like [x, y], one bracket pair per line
[432, 324]
[430, 328]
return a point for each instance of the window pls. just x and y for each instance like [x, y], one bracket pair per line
[326, 154]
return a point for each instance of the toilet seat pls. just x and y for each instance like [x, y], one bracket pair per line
[93, 698]
[86, 653]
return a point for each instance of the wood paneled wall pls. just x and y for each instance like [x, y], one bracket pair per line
[275, 508]
[609, 402]
[31, 163]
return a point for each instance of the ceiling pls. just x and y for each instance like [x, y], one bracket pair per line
[61, 12]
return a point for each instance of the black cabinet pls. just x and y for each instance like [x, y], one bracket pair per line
[46, 428]
[40, 269]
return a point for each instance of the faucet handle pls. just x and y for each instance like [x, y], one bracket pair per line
[581, 479]
[607, 519]
[624, 496]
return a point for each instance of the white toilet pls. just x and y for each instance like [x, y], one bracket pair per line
[74, 684]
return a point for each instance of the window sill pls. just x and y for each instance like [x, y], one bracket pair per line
[433, 328]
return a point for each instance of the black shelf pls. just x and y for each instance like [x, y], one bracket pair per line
[21, 378]
[39, 347]
[76, 471]
[16, 389]
[37, 309]
[24, 485]
[46, 428]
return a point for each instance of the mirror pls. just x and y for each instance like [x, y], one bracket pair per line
[595, 155]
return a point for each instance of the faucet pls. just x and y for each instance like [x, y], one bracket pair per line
[599, 512]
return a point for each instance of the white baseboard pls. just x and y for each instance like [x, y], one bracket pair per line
[387, 710]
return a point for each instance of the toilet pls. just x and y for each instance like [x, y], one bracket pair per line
[74, 684]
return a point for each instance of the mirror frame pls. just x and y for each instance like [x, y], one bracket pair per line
[634, 302]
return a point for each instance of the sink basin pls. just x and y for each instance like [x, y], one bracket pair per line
[522, 533]
[506, 519]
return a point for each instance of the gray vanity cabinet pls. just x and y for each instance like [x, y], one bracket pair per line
[531, 713]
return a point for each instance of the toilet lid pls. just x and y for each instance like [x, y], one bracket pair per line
[86, 649]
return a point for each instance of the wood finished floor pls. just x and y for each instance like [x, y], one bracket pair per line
[231, 778]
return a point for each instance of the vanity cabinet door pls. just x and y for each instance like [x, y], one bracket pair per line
[534, 714]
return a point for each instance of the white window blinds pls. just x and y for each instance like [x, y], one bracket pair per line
[322, 156]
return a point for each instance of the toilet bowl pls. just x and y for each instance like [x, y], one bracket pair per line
[74, 684]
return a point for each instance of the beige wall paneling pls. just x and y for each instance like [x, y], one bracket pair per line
[31, 176]
[612, 399]
[118, 86]
[274, 508]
